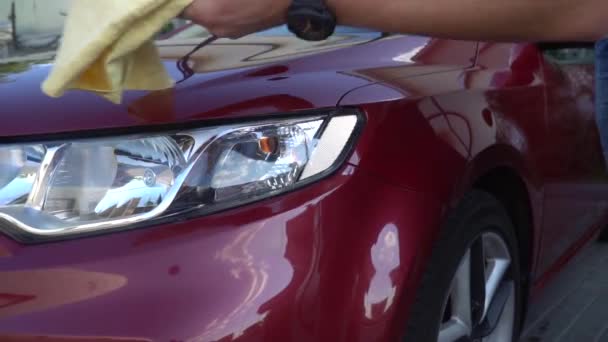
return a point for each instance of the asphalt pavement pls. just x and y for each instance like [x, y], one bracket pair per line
[574, 308]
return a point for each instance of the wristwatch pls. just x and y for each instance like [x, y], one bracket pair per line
[311, 19]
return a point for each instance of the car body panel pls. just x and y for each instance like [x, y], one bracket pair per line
[341, 259]
[260, 81]
[576, 189]
[486, 117]
[282, 269]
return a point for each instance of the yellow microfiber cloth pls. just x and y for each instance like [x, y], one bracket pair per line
[108, 47]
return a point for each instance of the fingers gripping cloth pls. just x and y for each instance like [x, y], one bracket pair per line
[108, 47]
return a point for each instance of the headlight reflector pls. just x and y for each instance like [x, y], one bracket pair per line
[18, 169]
[56, 189]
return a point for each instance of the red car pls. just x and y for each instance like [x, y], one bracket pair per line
[372, 187]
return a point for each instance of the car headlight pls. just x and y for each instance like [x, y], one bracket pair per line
[51, 190]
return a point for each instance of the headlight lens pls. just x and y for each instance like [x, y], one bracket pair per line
[56, 189]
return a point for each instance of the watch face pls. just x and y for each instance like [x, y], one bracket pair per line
[311, 25]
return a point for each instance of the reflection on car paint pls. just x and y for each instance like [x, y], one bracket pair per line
[385, 258]
[25, 292]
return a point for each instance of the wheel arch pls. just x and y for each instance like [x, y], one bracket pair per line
[501, 171]
[509, 188]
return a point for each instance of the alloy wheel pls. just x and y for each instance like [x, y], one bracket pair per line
[480, 305]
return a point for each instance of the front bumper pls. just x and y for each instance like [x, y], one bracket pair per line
[335, 261]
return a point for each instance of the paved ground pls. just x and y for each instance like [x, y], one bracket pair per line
[578, 309]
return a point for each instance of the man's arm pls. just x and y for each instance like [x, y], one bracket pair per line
[500, 20]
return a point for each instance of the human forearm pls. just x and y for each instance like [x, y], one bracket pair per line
[505, 20]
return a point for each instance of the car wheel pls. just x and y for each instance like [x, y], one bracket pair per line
[471, 290]
[603, 238]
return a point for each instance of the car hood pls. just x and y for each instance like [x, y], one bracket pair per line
[255, 75]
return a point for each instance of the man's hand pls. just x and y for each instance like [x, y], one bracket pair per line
[237, 18]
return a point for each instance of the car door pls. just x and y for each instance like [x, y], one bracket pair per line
[576, 192]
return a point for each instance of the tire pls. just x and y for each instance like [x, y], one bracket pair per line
[603, 238]
[477, 217]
